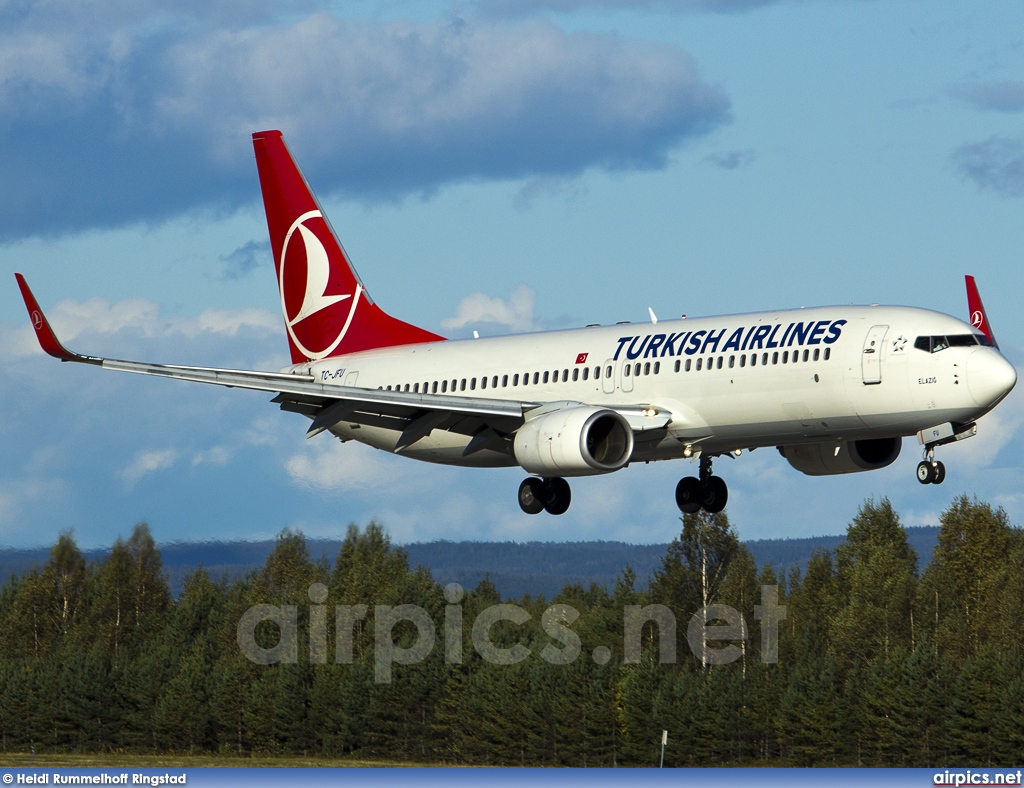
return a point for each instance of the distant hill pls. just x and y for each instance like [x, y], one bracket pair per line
[515, 568]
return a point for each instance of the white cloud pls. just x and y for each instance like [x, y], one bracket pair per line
[146, 462]
[97, 316]
[515, 313]
[325, 464]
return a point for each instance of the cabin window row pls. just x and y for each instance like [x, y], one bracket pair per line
[754, 359]
[628, 370]
[502, 381]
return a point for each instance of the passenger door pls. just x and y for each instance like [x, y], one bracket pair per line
[871, 358]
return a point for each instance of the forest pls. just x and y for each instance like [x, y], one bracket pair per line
[883, 659]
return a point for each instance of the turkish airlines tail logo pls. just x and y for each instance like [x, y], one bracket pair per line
[316, 314]
[979, 318]
[327, 311]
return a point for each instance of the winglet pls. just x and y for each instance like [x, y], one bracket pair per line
[44, 333]
[979, 319]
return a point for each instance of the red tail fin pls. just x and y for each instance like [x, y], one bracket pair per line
[979, 318]
[327, 311]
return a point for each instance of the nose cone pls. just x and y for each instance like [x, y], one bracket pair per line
[990, 377]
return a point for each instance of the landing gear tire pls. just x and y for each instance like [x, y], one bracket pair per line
[557, 496]
[716, 493]
[689, 495]
[933, 472]
[531, 495]
[693, 494]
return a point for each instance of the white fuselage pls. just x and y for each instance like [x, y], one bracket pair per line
[825, 374]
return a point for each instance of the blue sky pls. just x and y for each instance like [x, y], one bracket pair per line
[496, 165]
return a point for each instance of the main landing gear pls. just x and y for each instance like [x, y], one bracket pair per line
[707, 492]
[550, 495]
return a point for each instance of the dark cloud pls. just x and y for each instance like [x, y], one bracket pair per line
[993, 96]
[149, 121]
[246, 259]
[732, 159]
[996, 165]
[523, 7]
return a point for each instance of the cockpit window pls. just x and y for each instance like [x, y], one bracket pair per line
[936, 343]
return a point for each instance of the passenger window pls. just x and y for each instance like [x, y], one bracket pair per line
[785, 356]
[494, 382]
[817, 353]
[483, 382]
[515, 379]
[775, 357]
[565, 375]
[575, 373]
[586, 373]
[608, 372]
[504, 381]
[753, 359]
[433, 387]
[636, 369]
[472, 385]
[626, 369]
[807, 355]
[455, 385]
[647, 368]
[536, 377]
[406, 386]
[721, 359]
[828, 353]
[732, 361]
[444, 386]
[677, 365]
[462, 385]
[657, 367]
[597, 373]
[764, 359]
[688, 361]
[700, 361]
[743, 360]
[545, 377]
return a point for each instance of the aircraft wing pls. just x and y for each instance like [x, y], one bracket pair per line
[489, 420]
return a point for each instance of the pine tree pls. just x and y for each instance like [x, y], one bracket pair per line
[876, 584]
[960, 589]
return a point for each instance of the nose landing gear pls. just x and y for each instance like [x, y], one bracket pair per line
[933, 472]
[550, 495]
[707, 492]
[930, 470]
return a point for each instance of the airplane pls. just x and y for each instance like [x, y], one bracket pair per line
[834, 389]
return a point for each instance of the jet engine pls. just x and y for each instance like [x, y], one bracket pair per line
[577, 441]
[826, 459]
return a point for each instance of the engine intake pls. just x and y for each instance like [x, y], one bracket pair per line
[827, 459]
[578, 441]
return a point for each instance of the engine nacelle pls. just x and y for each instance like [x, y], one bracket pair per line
[826, 459]
[577, 441]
